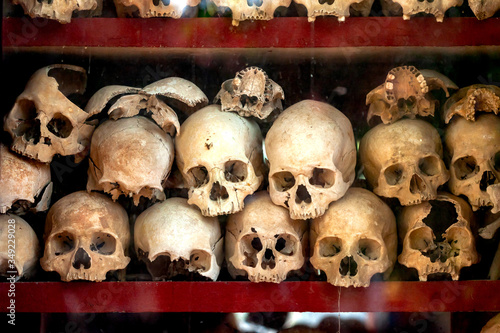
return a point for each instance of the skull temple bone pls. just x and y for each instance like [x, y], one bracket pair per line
[219, 155]
[44, 122]
[86, 235]
[403, 160]
[312, 156]
[437, 236]
[355, 239]
[473, 149]
[173, 238]
[263, 242]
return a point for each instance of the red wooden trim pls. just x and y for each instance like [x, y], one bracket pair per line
[132, 297]
[282, 32]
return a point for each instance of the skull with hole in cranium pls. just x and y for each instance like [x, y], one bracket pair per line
[44, 122]
[312, 156]
[474, 153]
[174, 238]
[220, 157]
[437, 236]
[86, 235]
[263, 242]
[403, 160]
[355, 239]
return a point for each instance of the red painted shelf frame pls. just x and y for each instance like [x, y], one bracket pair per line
[283, 32]
[134, 297]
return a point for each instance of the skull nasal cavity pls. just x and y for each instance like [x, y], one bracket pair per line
[218, 192]
[302, 195]
[348, 267]
[417, 184]
[81, 259]
[269, 255]
[487, 179]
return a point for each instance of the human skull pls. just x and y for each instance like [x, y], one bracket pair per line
[469, 100]
[473, 149]
[263, 242]
[60, 10]
[219, 155]
[44, 122]
[484, 9]
[251, 93]
[174, 238]
[493, 325]
[412, 7]
[130, 157]
[437, 237]
[243, 10]
[154, 8]
[355, 239]
[403, 160]
[406, 92]
[86, 235]
[19, 247]
[338, 8]
[312, 157]
[25, 183]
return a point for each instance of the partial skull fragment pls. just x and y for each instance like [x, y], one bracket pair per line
[60, 10]
[471, 100]
[243, 10]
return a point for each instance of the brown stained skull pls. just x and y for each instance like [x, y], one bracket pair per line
[60, 10]
[174, 239]
[413, 7]
[403, 160]
[251, 93]
[86, 236]
[355, 239]
[44, 122]
[26, 184]
[471, 100]
[243, 10]
[492, 326]
[154, 8]
[338, 8]
[473, 149]
[484, 9]
[263, 243]
[437, 236]
[406, 93]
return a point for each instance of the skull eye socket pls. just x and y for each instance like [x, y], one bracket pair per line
[393, 174]
[199, 261]
[103, 243]
[322, 177]
[369, 249]
[63, 243]
[421, 239]
[283, 181]
[330, 246]
[60, 126]
[200, 175]
[429, 165]
[235, 171]
[29, 126]
[285, 244]
[465, 167]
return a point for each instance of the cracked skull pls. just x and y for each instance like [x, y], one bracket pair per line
[60, 10]
[355, 239]
[86, 235]
[338, 8]
[403, 160]
[412, 7]
[263, 242]
[220, 157]
[312, 156]
[243, 10]
[174, 239]
[155, 8]
[437, 237]
[473, 149]
[44, 122]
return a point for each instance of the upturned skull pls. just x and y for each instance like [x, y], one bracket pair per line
[154, 8]
[437, 236]
[338, 8]
[355, 239]
[243, 10]
[173, 238]
[263, 242]
[220, 157]
[86, 235]
[44, 122]
[411, 7]
[60, 10]
[473, 148]
[312, 156]
[403, 160]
